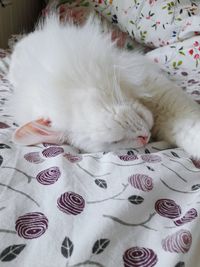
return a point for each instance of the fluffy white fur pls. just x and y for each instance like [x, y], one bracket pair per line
[99, 97]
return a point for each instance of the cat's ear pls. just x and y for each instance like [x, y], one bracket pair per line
[36, 132]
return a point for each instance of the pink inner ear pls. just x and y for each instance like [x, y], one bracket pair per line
[35, 132]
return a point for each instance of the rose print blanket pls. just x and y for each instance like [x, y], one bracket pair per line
[133, 208]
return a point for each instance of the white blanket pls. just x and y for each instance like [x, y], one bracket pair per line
[134, 208]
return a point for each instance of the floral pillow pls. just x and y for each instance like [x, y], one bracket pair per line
[153, 22]
[181, 61]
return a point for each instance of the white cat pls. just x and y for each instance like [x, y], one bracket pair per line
[73, 84]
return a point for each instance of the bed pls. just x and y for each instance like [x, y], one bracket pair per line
[131, 208]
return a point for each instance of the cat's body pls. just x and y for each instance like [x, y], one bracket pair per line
[94, 95]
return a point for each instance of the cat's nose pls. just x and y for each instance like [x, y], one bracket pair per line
[143, 139]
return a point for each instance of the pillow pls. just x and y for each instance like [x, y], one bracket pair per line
[154, 23]
[181, 61]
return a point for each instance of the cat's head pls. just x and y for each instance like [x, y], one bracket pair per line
[120, 126]
[115, 127]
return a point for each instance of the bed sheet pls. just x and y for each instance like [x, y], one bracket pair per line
[133, 208]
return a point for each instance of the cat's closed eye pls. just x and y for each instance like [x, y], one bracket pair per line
[115, 142]
[143, 139]
[118, 141]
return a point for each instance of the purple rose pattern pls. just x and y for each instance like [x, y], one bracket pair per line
[52, 151]
[141, 181]
[33, 157]
[150, 158]
[3, 125]
[49, 176]
[139, 257]
[72, 158]
[71, 203]
[179, 242]
[196, 163]
[167, 208]
[128, 157]
[31, 225]
[188, 217]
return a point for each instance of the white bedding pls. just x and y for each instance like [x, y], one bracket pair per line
[134, 208]
[61, 208]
